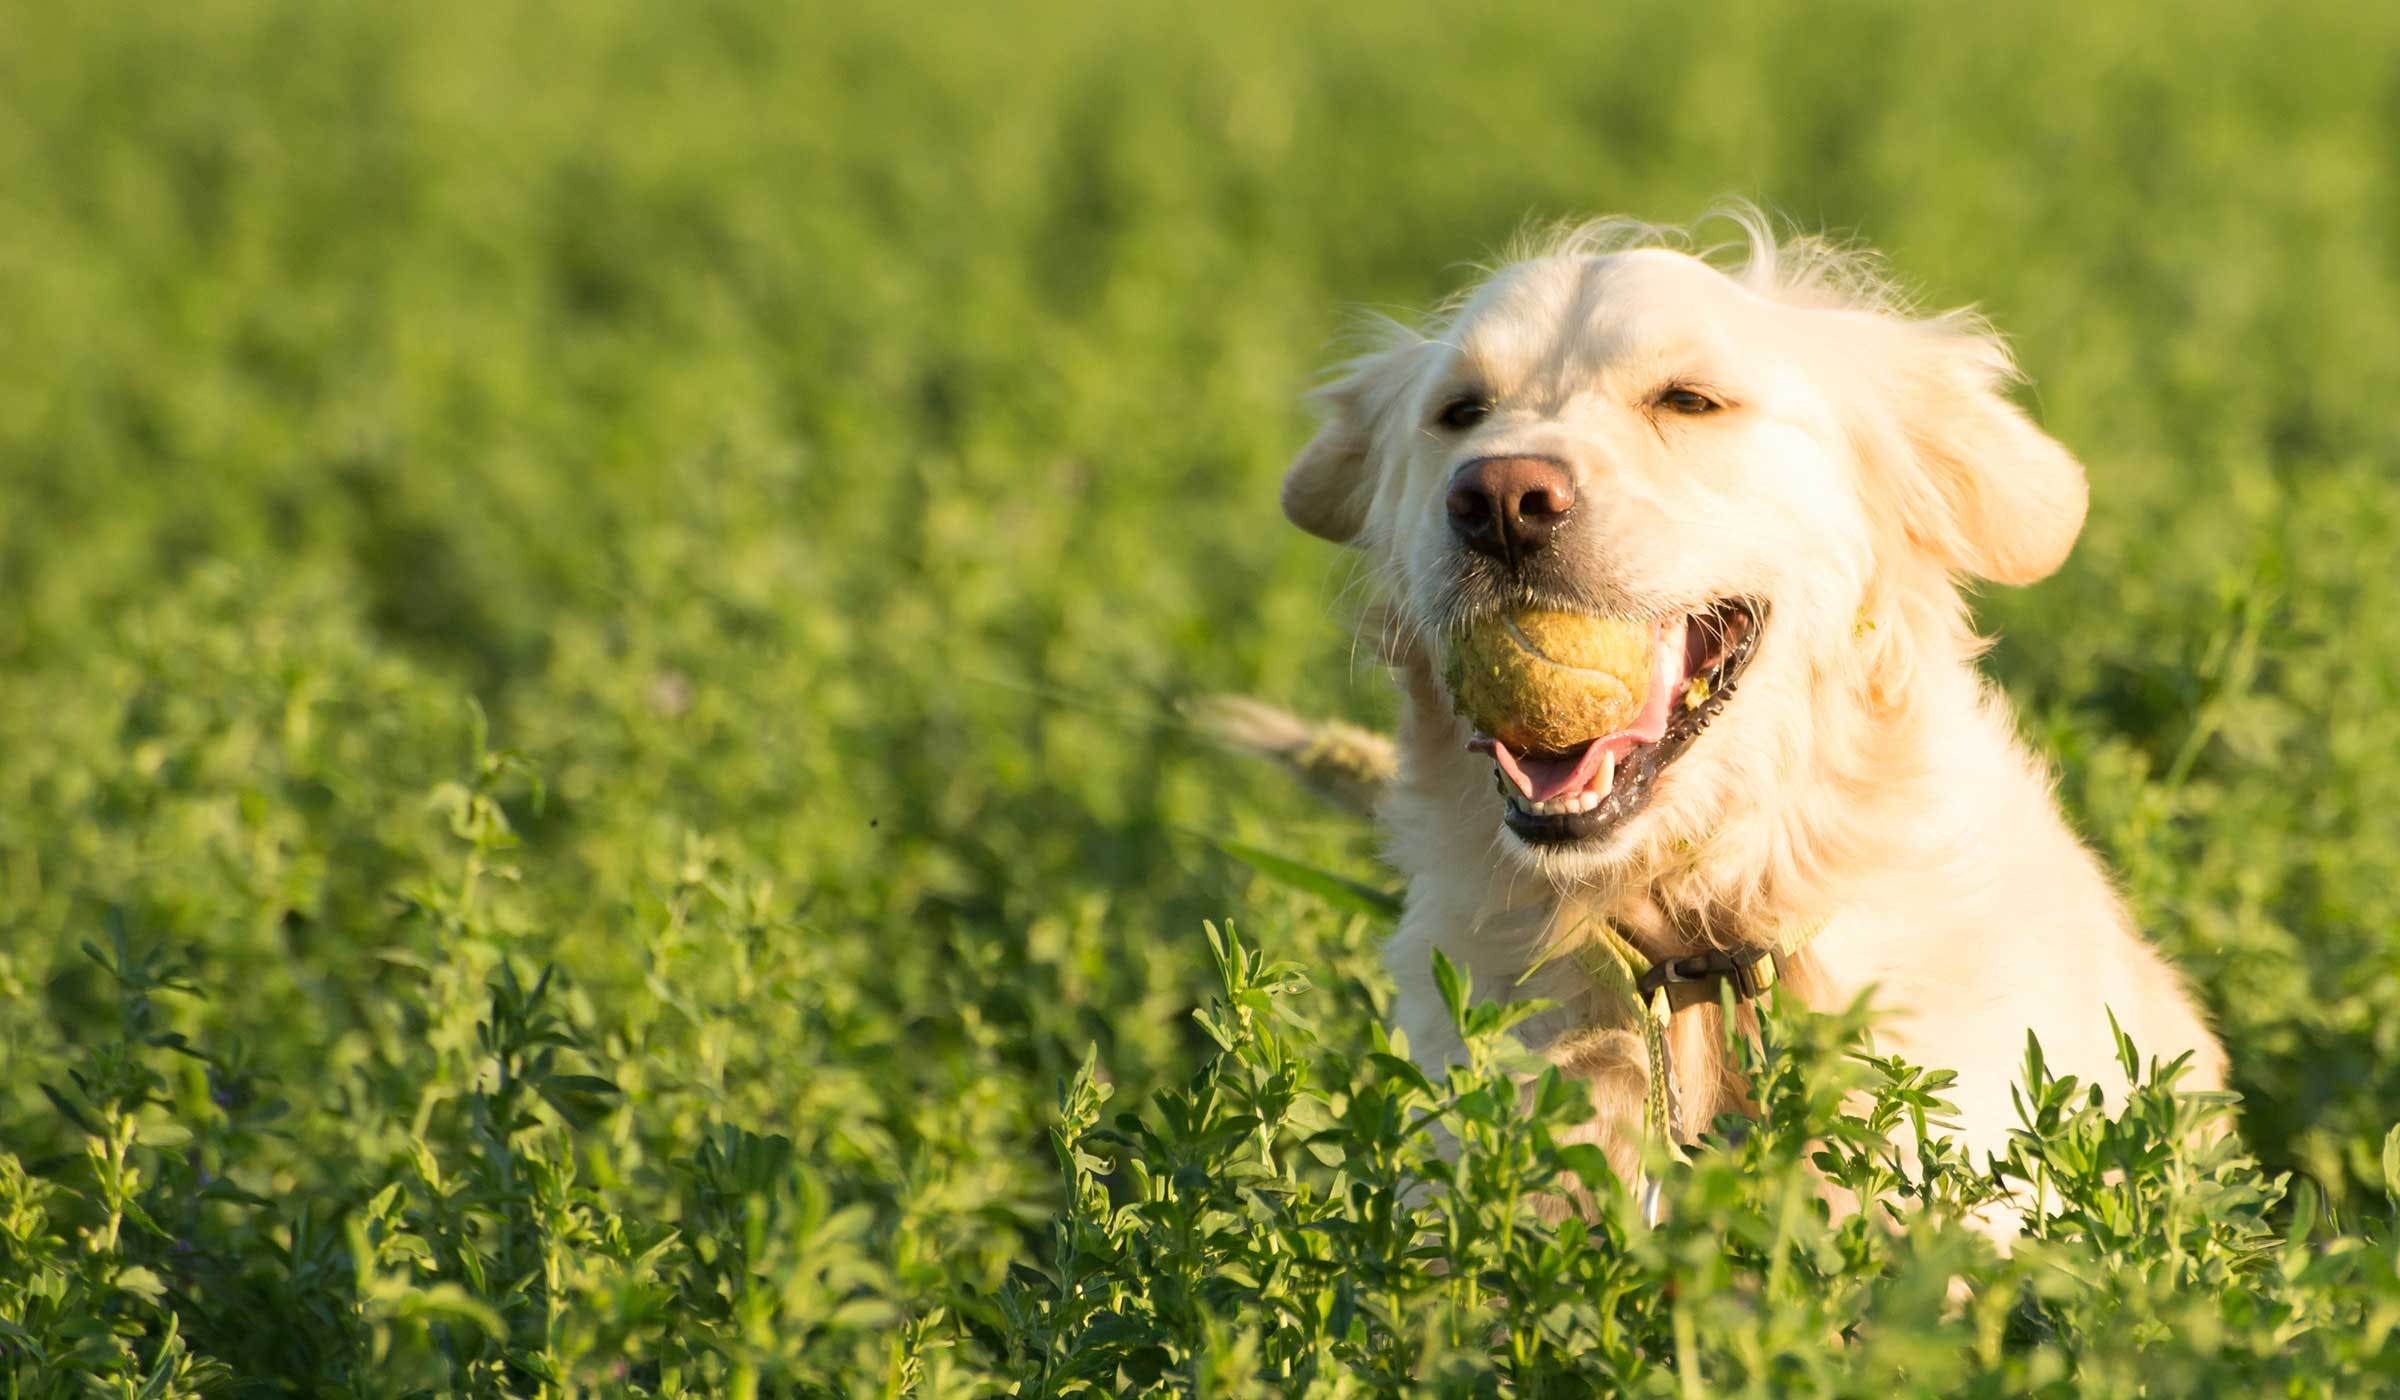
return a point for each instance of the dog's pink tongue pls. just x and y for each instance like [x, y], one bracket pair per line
[1544, 776]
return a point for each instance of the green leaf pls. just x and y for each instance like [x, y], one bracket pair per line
[582, 1099]
[72, 1112]
[1406, 1071]
[1453, 986]
[1588, 1163]
[1340, 891]
[453, 1304]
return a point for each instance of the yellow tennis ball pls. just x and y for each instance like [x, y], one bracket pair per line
[1547, 681]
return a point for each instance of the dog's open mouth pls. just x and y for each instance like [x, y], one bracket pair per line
[1586, 791]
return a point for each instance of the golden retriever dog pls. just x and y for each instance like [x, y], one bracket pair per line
[1786, 474]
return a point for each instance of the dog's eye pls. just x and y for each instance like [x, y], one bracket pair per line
[1686, 400]
[1464, 412]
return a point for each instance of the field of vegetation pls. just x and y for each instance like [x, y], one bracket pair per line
[592, 607]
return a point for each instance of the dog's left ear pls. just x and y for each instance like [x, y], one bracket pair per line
[1330, 488]
[1990, 494]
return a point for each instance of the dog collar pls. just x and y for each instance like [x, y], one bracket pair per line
[1750, 972]
[1657, 991]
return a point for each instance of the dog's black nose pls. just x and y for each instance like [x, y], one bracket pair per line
[1508, 507]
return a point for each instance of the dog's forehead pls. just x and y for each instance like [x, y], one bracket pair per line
[1584, 313]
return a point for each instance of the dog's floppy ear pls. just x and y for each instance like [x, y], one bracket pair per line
[1331, 485]
[1986, 492]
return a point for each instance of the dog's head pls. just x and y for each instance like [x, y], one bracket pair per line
[1773, 466]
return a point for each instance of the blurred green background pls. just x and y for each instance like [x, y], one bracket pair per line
[821, 440]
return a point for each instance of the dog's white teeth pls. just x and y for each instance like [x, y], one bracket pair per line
[1570, 805]
[1605, 779]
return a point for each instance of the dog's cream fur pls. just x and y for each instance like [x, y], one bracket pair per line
[1864, 784]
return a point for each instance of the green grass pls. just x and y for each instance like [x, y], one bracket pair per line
[593, 598]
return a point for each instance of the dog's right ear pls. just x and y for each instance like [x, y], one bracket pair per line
[1330, 488]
